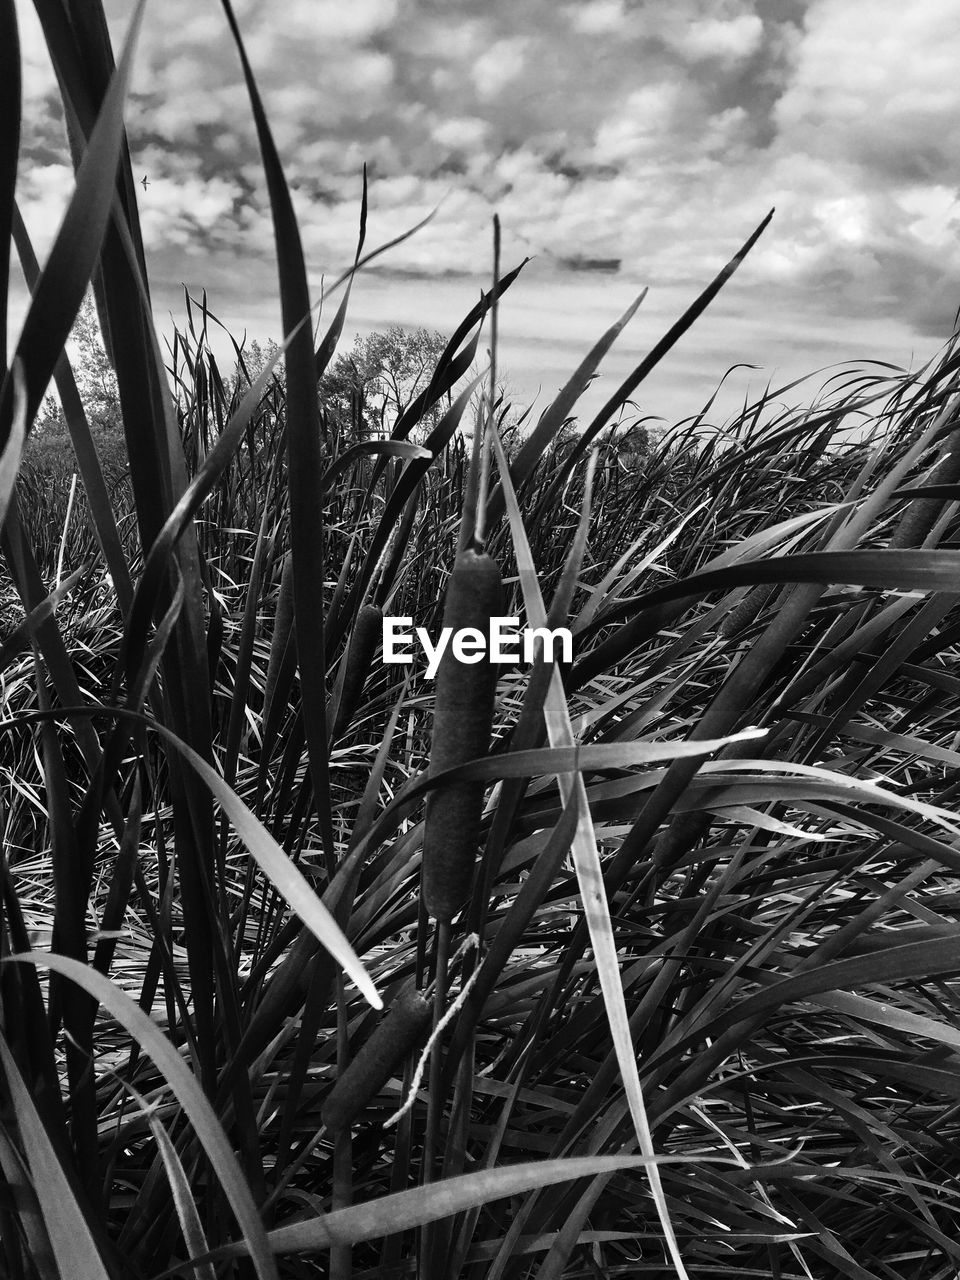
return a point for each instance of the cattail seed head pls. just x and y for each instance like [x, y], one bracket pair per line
[399, 1032]
[283, 632]
[747, 611]
[921, 514]
[462, 721]
[355, 665]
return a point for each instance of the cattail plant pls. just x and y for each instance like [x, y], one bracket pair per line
[785, 922]
[283, 631]
[462, 721]
[355, 666]
[921, 513]
[746, 612]
[398, 1033]
[465, 692]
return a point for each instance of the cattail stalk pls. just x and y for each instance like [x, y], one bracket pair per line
[462, 722]
[283, 632]
[355, 667]
[921, 514]
[394, 1039]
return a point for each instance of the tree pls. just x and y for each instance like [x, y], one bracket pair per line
[94, 376]
[256, 357]
[367, 389]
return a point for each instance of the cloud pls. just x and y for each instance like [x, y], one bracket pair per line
[43, 192]
[727, 40]
[583, 262]
[503, 61]
[895, 112]
[331, 19]
[868, 163]
[461, 133]
[644, 125]
[651, 135]
[189, 210]
[601, 17]
[316, 22]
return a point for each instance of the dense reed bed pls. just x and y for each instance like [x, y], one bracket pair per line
[687, 1004]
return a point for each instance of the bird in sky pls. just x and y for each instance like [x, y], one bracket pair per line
[144, 182]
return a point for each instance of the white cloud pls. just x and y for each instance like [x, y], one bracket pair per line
[643, 125]
[186, 210]
[933, 214]
[652, 133]
[728, 40]
[321, 20]
[460, 132]
[495, 69]
[401, 191]
[44, 192]
[601, 17]
[845, 220]
[38, 75]
[894, 107]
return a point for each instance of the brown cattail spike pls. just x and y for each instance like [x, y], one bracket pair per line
[747, 611]
[921, 513]
[462, 720]
[355, 665]
[396, 1036]
[283, 633]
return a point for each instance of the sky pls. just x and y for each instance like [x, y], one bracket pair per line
[624, 144]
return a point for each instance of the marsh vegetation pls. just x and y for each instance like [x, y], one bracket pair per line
[706, 900]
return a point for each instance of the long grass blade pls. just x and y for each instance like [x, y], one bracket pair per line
[13, 449]
[586, 860]
[66, 275]
[184, 1086]
[10, 113]
[426, 1204]
[70, 1237]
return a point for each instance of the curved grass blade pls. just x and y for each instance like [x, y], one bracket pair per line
[88, 461]
[185, 1087]
[421, 1205]
[183, 1200]
[384, 448]
[184, 1203]
[73, 1245]
[305, 464]
[72, 259]
[273, 1002]
[908, 960]
[271, 859]
[559, 410]
[13, 449]
[575, 759]
[586, 860]
[19, 637]
[29, 1214]
[883, 570]
[669, 339]
[279, 869]
[10, 112]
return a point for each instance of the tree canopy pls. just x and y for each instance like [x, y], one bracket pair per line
[369, 387]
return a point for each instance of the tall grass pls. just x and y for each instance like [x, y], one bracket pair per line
[713, 916]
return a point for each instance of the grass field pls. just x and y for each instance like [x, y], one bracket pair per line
[684, 1000]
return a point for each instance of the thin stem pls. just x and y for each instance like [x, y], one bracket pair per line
[484, 486]
[434, 1096]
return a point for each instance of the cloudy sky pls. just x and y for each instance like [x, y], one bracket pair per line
[624, 144]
